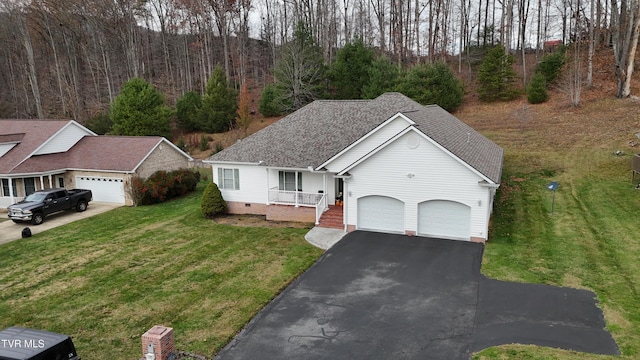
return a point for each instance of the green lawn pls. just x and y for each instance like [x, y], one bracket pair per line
[591, 241]
[107, 279]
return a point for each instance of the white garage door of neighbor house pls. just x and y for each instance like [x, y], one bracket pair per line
[445, 219]
[104, 189]
[381, 213]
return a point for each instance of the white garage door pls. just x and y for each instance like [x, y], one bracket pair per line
[105, 189]
[381, 213]
[445, 219]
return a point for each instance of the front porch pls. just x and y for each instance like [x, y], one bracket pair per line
[298, 199]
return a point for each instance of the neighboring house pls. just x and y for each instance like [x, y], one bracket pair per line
[43, 154]
[394, 165]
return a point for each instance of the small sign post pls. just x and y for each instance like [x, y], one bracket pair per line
[553, 186]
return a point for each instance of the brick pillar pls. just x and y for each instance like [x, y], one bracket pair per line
[162, 339]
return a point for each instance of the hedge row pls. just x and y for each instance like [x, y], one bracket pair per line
[163, 185]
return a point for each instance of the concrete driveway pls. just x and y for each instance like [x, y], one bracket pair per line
[10, 231]
[382, 296]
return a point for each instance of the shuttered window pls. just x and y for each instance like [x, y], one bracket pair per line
[229, 179]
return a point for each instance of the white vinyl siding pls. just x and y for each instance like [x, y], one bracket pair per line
[366, 145]
[63, 140]
[414, 175]
[229, 179]
[252, 185]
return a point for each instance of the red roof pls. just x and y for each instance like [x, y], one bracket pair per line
[35, 133]
[100, 153]
[103, 153]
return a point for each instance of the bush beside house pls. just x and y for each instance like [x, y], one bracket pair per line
[212, 203]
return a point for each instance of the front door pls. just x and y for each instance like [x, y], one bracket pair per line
[339, 191]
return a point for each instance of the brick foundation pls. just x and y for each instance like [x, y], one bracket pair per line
[410, 233]
[163, 343]
[351, 228]
[236, 207]
[478, 240]
[291, 213]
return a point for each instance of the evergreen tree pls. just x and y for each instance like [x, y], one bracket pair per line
[188, 110]
[139, 110]
[100, 123]
[496, 76]
[537, 89]
[350, 72]
[433, 84]
[300, 71]
[269, 105]
[212, 204]
[383, 77]
[551, 65]
[219, 104]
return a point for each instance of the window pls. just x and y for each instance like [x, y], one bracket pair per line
[287, 180]
[5, 187]
[229, 179]
[29, 186]
[61, 182]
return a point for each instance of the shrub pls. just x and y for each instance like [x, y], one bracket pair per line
[204, 143]
[162, 186]
[537, 89]
[212, 203]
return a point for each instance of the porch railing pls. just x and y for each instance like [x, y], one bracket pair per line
[299, 198]
[321, 207]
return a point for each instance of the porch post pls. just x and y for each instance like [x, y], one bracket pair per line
[42, 182]
[296, 193]
[324, 185]
[345, 204]
[11, 194]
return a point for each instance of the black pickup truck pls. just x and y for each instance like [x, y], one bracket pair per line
[40, 204]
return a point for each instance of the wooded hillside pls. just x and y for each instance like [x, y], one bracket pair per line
[70, 58]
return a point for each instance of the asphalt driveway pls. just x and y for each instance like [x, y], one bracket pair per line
[382, 296]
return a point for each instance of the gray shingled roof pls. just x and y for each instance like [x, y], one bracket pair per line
[320, 130]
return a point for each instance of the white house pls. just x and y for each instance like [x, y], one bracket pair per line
[390, 164]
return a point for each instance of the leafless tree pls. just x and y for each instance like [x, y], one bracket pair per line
[625, 25]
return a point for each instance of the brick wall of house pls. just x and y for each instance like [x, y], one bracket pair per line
[291, 213]
[163, 157]
[236, 207]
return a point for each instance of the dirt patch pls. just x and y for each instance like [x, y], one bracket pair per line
[259, 221]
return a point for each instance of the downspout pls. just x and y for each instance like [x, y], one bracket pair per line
[268, 188]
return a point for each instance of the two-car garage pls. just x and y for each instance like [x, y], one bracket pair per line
[435, 218]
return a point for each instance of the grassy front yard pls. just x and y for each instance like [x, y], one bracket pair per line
[592, 240]
[107, 279]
